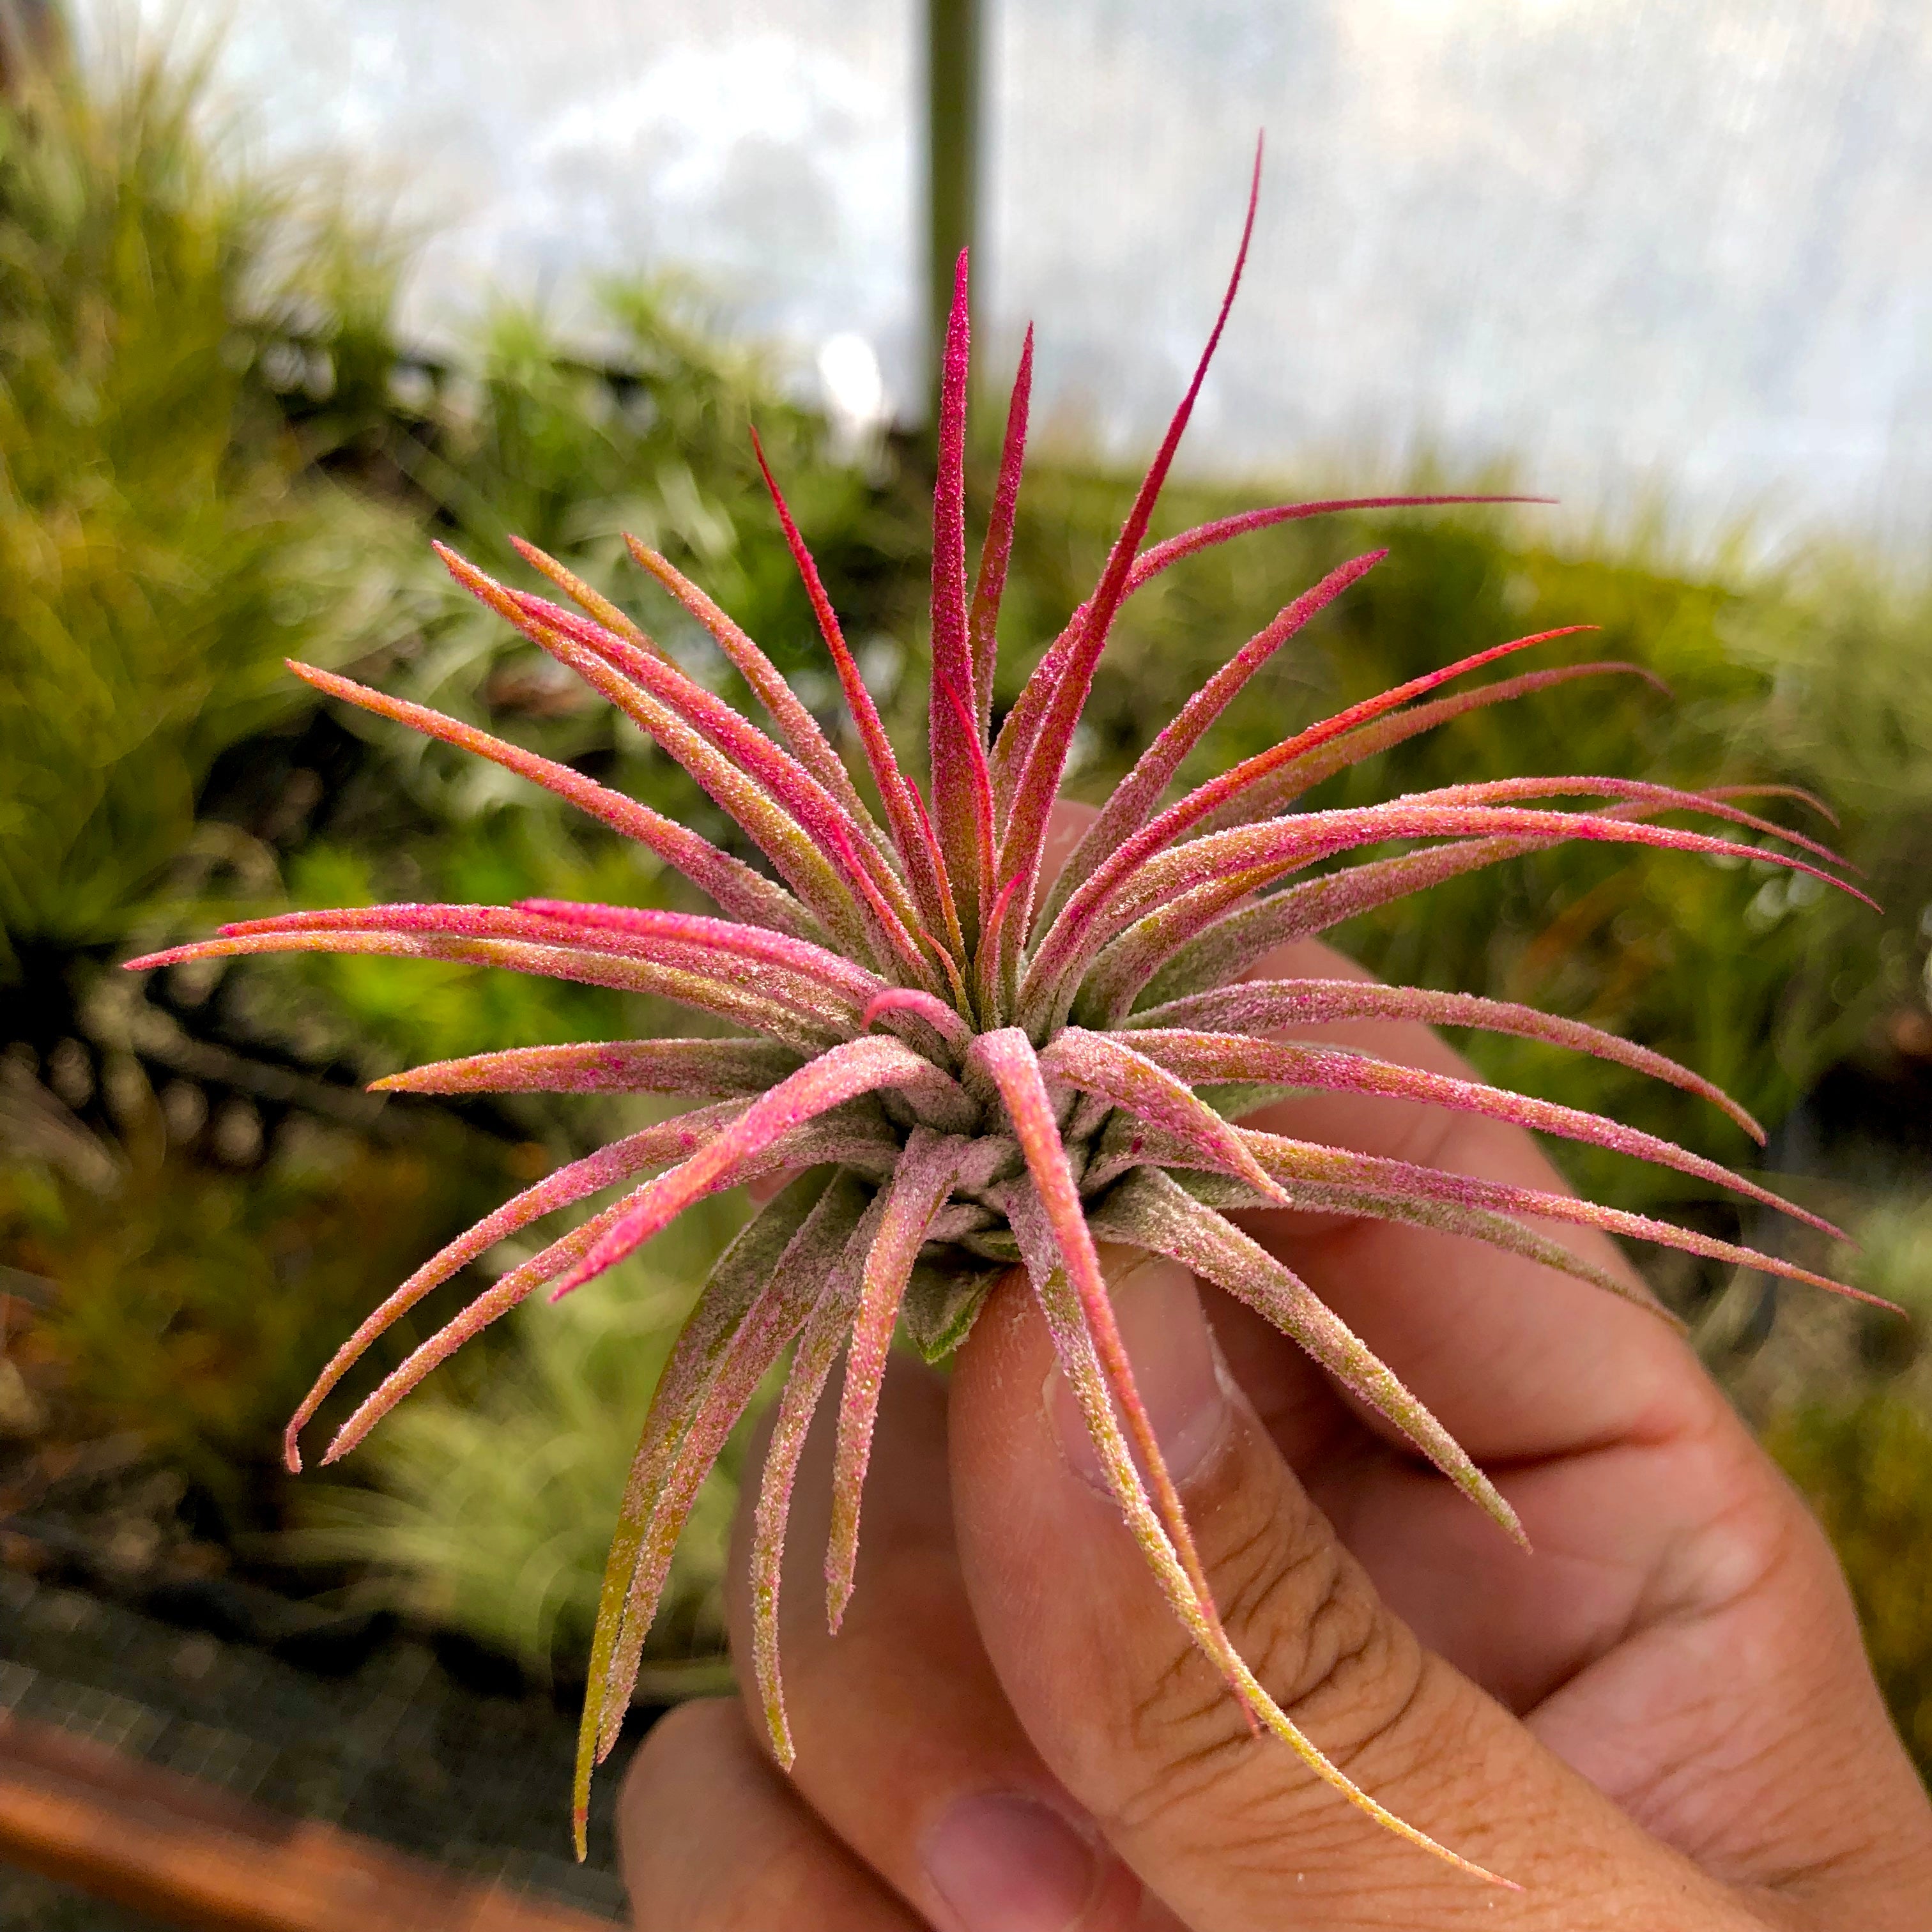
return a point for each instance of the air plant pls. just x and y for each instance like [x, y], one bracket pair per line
[965, 1064]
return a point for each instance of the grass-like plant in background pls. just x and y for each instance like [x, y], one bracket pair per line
[165, 540]
[192, 1305]
[968, 1064]
[493, 1515]
[1843, 1397]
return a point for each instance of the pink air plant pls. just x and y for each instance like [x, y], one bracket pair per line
[965, 1064]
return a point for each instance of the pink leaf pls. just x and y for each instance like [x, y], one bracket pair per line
[690, 1374]
[810, 1020]
[861, 1146]
[1258, 1006]
[1238, 1057]
[953, 1031]
[793, 821]
[710, 993]
[865, 871]
[1290, 1160]
[991, 979]
[490, 1306]
[1171, 950]
[1275, 793]
[604, 1066]
[1165, 943]
[958, 758]
[594, 605]
[841, 1074]
[914, 1195]
[1136, 796]
[1121, 1152]
[669, 1140]
[1022, 725]
[1288, 844]
[1025, 833]
[591, 923]
[785, 1298]
[743, 893]
[1068, 940]
[919, 850]
[823, 1334]
[1008, 1059]
[1104, 1064]
[980, 801]
[1637, 793]
[990, 585]
[1160, 556]
[1077, 1350]
[796, 724]
[1154, 1212]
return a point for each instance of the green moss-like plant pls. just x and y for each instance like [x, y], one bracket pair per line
[493, 1515]
[191, 1306]
[164, 541]
[1867, 1470]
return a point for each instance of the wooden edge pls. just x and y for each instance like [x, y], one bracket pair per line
[197, 1857]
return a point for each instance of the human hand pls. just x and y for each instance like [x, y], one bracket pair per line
[1661, 1719]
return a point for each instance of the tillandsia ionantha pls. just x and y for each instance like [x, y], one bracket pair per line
[952, 1064]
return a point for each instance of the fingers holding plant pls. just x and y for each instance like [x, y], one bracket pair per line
[1010, 1733]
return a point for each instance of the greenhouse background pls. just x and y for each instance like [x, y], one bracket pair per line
[288, 290]
[1648, 251]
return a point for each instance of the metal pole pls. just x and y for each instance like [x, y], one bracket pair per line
[953, 47]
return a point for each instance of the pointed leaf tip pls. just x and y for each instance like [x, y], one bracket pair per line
[1067, 679]
[913, 838]
[963, 827]
[989, 585]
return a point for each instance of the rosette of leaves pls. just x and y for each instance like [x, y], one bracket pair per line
[967, 1064]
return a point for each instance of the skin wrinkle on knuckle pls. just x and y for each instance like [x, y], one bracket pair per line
[1780, 1662]
[1733, 1740]
[1305, 1620]
[1182, 1733]
[1303, 1612]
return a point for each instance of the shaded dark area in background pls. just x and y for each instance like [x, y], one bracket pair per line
[213, 455]
[424, 1745]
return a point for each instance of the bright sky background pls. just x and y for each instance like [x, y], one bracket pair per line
[1634, 245]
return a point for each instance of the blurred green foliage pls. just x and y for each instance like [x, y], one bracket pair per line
[1851, 1421]
[493, 1513]
[165, 537]
[1866, 1468]
[195, 1306]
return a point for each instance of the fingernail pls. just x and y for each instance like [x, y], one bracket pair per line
[1005, 1863]
[1176, 1369]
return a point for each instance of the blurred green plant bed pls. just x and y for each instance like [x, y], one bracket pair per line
[1843, 1396]
[214, 455]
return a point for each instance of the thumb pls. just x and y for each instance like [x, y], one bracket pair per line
[1232, 1830]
